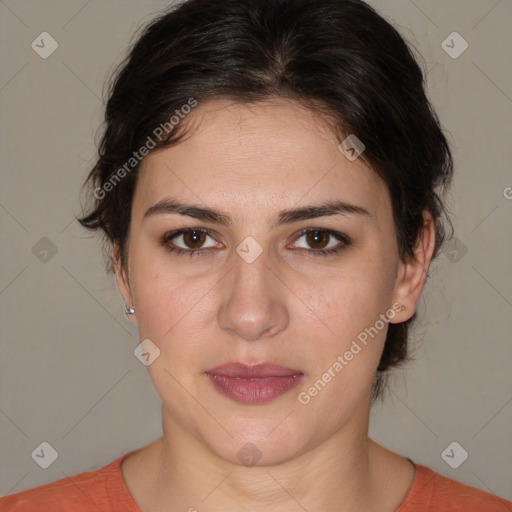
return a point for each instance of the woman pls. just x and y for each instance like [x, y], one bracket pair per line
[270, 186]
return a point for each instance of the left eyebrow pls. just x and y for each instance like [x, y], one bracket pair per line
[329, 208]
[323, 210]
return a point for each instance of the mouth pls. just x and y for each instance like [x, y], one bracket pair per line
[253, 384]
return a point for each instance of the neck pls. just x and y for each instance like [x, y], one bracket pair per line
[337, 475]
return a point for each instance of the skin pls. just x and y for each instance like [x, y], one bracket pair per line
[290, 307]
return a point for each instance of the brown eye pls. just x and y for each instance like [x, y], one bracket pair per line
[322, 241]
[194, 239]
[317, 239]
[189, 241]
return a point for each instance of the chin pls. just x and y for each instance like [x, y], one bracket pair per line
[258, 445]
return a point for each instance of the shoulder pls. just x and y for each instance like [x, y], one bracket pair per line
[433, 491]
[92, 490]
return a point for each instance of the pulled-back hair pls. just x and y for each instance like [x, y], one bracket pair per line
[336, 57]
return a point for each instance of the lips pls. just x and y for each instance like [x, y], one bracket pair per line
[253, 384]
[258, 371]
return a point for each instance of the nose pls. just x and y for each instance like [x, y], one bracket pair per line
[253, 301]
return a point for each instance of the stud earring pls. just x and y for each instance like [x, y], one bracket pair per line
[402, 307]
[129, 311]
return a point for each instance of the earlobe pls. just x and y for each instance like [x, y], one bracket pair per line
[413, 273]
[123, 284]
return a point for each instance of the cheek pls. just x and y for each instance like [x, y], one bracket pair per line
[350, 300]
[343, 364]
[345, 360]
[173, 308]
[166, 301]
[174, 312]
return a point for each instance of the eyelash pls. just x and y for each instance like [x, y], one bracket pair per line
[344, 239]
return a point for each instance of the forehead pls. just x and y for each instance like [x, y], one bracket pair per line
[270, 155]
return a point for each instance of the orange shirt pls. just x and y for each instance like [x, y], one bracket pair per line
[104, 490]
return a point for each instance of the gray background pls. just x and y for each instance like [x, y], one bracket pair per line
[68, 373]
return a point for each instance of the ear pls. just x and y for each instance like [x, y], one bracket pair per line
[123, 281]
[413, 273]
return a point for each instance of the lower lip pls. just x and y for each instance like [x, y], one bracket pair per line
[254, 391]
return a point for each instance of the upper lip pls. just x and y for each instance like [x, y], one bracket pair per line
[245, 371]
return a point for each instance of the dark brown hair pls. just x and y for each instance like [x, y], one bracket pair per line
[337, 57]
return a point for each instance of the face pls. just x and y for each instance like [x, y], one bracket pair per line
[304, 314]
